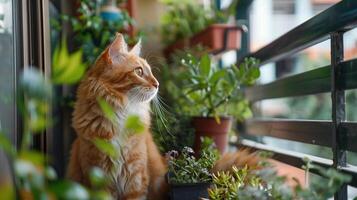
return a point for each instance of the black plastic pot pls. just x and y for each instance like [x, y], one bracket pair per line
[193, 191]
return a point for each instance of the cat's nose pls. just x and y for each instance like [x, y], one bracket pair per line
[155, 84]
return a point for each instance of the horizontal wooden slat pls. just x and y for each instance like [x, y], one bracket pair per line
[296, 158]
[310, 82]
[341, 16]
[308, 131]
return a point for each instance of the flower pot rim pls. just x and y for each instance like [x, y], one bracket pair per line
[168, 174]
[213, 118]
[220, 25]
[210, 28]
[190, 184]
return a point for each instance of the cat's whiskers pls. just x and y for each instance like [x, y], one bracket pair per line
[162, 114]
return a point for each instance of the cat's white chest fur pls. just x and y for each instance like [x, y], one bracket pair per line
[125, 142]
[135, 109]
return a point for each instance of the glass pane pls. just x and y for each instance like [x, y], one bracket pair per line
[7, 83]
[7, 69]
[270, 19]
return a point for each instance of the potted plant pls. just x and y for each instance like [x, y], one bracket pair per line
[213, 96]
[190, 177]
[94, 26]
[265, 183]
[188, 24]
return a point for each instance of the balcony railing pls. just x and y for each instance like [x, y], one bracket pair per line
[340, 75]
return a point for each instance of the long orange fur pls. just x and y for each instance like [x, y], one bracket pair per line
[116, 77]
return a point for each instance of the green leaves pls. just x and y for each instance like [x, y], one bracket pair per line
[69, 190]
[97, 177]
[184, 18]
[264, 183]
[107, 110]
[185, 168]
[205, 66]
[213, 91]
[35, 85]
[217, 76]
[35, 157]
[107, 147]
[67, 68]
[134, 125]
[92, 32]
[7, 191]
[248, 71]
[6, 145]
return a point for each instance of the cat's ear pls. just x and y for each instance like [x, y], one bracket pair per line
[117, 48]
[136, 50]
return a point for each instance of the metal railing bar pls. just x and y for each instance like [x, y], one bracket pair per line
[310, 82]
[306, 83]
[341, 16]
[317, 132]
[295, 159]
[339, 138]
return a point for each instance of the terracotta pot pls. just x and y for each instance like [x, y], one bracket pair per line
[208, 127]
[216, 37]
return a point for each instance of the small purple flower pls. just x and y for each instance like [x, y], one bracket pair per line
[188, 151]
[172, 154]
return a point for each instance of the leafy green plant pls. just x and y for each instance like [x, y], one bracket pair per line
[266, 184]
[34, 177]
[185, 18]
[173, 134]
[186, 168]
[91, 32]
[207, 90]
[67, 68]
[170, 133]
[226, 184]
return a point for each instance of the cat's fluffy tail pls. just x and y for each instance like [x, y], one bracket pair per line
[240, 159]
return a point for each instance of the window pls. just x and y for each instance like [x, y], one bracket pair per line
[8, 73]
[8, 68]
[284, 7]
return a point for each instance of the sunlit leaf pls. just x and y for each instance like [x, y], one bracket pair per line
[205, 65]
[107, 109]
[255, 72]
[106, 147]
[34, 84]
[24, 168]
[50, 173]
[97, 177]
[67, 68]
[217, 75]
[134, 124]
[101, 195]
[34, 157]
[6, 145]
[37, 115]
[7, 191]
[68, 190]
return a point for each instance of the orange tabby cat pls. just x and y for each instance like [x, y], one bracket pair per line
[125, 81]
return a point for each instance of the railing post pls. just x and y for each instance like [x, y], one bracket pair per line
[242, 18]
[338, 109]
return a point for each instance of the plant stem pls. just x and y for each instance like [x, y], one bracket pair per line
[212, 107]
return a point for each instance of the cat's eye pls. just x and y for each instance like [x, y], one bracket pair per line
[139, 71]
